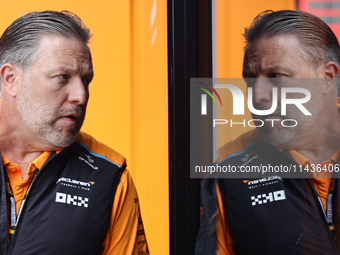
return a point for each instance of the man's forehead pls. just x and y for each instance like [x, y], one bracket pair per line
[55, 42]
[63, 49]
[276, 54]
[272, 48]
[272, 44]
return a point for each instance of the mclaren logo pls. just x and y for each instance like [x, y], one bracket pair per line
[68, 182]
[267, 179]
[252, 184]
[270, 197]
[71, 200]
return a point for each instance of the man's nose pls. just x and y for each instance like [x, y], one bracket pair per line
[78, 92]
[262, 91]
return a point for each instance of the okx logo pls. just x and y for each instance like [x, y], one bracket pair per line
[270, 197]
[71, 200]
[204, 97]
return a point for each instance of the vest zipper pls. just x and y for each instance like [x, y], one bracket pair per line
[52, 158]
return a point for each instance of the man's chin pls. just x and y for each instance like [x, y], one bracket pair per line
[61, 140]
[276, 138]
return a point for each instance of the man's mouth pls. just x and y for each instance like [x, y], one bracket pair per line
[71, 118]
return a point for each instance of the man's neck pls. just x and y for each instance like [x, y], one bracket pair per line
[16, 149]
[23, 160]
[316, 157]
[322, 146]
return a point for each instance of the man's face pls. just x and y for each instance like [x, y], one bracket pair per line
[277, 60]
[53, 95]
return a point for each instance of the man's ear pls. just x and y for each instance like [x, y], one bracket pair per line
[330, 73]
[11, 77]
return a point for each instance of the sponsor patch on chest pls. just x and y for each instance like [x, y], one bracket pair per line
[71, 199]
[68, 182]
[268, 197]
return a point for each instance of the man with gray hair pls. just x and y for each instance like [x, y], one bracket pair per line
[62, 191]
[279, 212]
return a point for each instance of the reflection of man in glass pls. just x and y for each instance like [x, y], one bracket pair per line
[275, 215]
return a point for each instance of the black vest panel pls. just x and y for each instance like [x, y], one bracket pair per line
[68, 208]
[273, 214]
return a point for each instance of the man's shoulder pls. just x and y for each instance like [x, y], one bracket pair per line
[99, 149]
[237, 145]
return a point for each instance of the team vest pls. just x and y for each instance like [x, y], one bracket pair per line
[68, 208]
[269, 215]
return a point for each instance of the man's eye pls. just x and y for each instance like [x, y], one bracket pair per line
[276, 75]
[63, 76]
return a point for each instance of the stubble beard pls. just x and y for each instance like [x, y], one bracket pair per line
[42, 120]
[280, 135]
